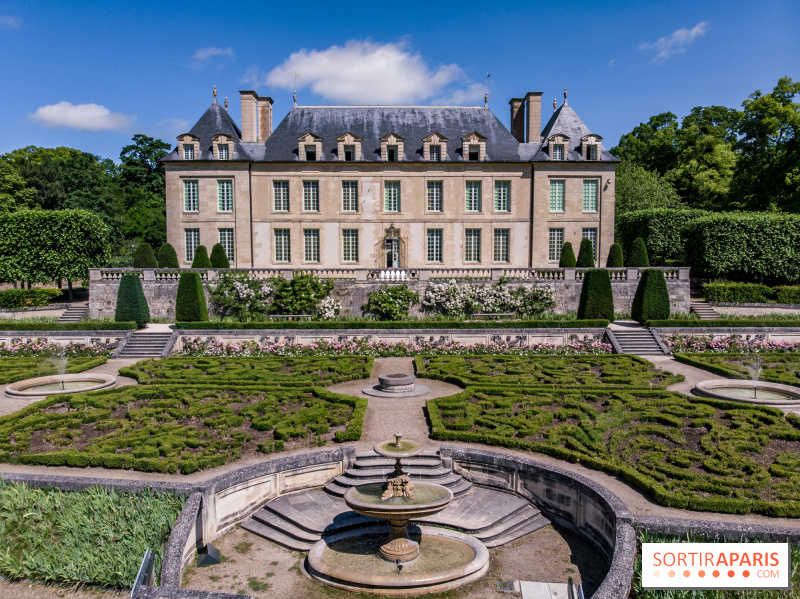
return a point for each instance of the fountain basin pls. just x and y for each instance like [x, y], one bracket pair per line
[396, 384]
[429, 499]
[758, 392]
[59, 384]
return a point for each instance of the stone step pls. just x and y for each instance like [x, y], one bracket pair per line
[284, 526]
[518, 532]
[414, 473]
[507, 524]
[339, 485]
[371, 455]
[276, 537]
[388, 463]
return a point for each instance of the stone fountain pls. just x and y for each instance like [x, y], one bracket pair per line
[59, 384]
[396, 384]
[409, 559]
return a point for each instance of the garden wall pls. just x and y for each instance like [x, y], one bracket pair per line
[774, 334]
[110, 339]
[352, 286]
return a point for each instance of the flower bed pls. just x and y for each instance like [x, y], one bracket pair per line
[42, 349]
[681, 343]
[783, 368]
[19, 369]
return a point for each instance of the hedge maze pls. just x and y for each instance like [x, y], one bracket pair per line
[781, 368]
[19, 369]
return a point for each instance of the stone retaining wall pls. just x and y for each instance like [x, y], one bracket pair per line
[776, 334]
[110, 339]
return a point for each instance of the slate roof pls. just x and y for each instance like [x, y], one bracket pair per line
[215, 120]
[565, 122]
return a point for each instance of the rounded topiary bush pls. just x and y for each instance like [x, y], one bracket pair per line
[167, 256]
[651, 301]
[567, 256]
[131, 303]
[201, 259]
[144, 257]
[586, 254]
[638, 257]
[190, 303]
[615, 259]
[219, 259]
[597, 299]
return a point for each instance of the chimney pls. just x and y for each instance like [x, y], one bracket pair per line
[517, 119]
[264, 118]
[533, 108]
[249, 116]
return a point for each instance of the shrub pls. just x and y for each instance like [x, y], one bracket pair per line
[219, 259]
[597, 298]
[300, 295]
[391, 303]
[201, 259]
[567, 256]
[131, 303]
[328, 309]
[144, 258]
[615, 258]
[238, 296]
[462, 299]
[788, 295]
[190, 303]
[722, 291]
[661, 229]
[167, 256]
[638, 255]
[12, 299]
[651, 301]
[586, 254]
[405, 324]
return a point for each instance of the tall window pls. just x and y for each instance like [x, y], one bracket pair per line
[349, 153]
[558, 152]
[350, 245]
[191, 196]
[225, 195]
[350, 196]
[192, 237]
[391, 196]
[591, 152]
[226, 240]
[473, 196]
[434, 196]
[434, 245]
[188, 151]
[282, 248]
[501, 251]
[311, 245]
[223, 151]
[435, 154]
[311, 196]
[502, 196]
[556, 196]
[591, 235]
[472, 246]
[555, 244]
[280, 195]
[590, 196]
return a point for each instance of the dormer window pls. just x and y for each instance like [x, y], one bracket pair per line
[189, 146]
[392, 147]
[311, 153]
[391, 153]
[309, 147]
[590, 146]
[473, 147]
[474, 153]
[348, 147]
[349, 153]
[435, 154]
[434, 147]
[222, 149]
[558, 152]
[188, 152]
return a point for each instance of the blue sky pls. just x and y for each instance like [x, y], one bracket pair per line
[91, 74]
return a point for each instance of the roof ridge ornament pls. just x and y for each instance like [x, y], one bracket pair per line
[294, 98]
[215, 94]
[565, 95]
[486, 100]
[555, 105]
[226, 102]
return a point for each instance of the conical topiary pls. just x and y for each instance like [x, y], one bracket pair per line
[201, 258]
[597, 298]
[567, 256]
[190, 303]
[219, 259]
[131, 303]
[586, 254]
[167, 256]
[651, 301]
[144, 257]
[615, 259]
[638, 257]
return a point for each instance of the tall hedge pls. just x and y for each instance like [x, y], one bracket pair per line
[638, 256]
[567, 256]
[615, 257]
[651, 301]
[661, 230]
[745, 246]
[219, 259]
[201, 259]
[586, 254]
[144, 257]
[190, 303]
[167, 256]
[597, 298]
[131, 303]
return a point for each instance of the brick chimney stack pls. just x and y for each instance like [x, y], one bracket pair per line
[250, 116]
[518, 118]
[264, 118]
[533, 108]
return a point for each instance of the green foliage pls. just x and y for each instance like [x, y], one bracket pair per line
[651, 300]
[637, 188]
[597, 298]
[131, 303]
[783, 368]
[13, 299]
[721, 291]
[638, 255]
[787, 294]
[585, 254]
[144, 257]
[300, 295]
[402, 324]
[14, 192]
[567, 256]
[704, 172]
[391, 302]
[238, 296]
[219, 259]
[82, 538]
[652, 145]
[167, 256]
[145, 219]
[615, 257]
[190, 302]
[19, 369]
[660, 229]
[201, 259]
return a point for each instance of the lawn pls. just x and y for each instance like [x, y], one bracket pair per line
[552, 371]
[776, 367]
[18, 369]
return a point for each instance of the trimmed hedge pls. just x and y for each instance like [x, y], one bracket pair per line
[19, 369]
[567, 256]
[145, 257]
[14, 299]
[167, 256]
[597, 298]
[787, 294]
[737, 292]
[585, 254]
[131, 303]
[201, 259]
[638, 256]
[722, 324]
[67, 326]
[661, 230]
[219, 259]
[190, 302]
[783, 368]
[651, 300]
[410, 324]
[615, 257]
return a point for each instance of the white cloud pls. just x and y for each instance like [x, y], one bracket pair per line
[204, 54]
[9, 22]
[365, 72]
[171, 128]
[84, 117]
[675, 43]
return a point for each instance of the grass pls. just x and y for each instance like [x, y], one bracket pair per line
[552, 371]
[18, 369]
[94, 537]
[781, 368]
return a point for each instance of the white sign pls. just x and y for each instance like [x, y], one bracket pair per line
[716, 566]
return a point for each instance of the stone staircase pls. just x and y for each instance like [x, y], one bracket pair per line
[637, 340]
[704, 310]
[75, 313]
[299, 520]
[145, 345]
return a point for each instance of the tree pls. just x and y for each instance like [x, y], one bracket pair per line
[615, 258]
[638, 257]
[141, 167]
[586, 254]
[639, 189]
[190, 303]
[652, 145]
[167, 256]
[704, 173]
[567, 256]
[651, 301]
[14, 192]
[145, 258]
[201, 259]
[146, 220]
[131, 302]
[597, 297]
[219, 259]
